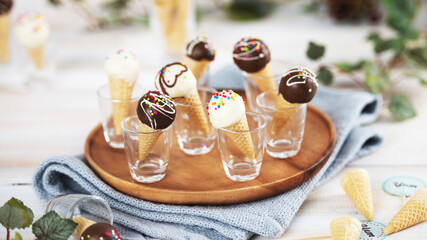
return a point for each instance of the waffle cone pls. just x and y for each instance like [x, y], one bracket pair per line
[282, 117]
[413, 212]
[146, 141]
[345, 228]
[83, 223]
[4, 37]
[264, 79]
[120, 90]
[37, 55]
[242, 140]
[197, 67]
[197, 113]
[357, 184]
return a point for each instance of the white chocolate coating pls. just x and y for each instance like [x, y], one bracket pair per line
[122, 64]
[176, 80]
[32, 30]
[226, 108]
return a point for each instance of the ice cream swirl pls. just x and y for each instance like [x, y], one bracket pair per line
[251, 54]
[156, 110]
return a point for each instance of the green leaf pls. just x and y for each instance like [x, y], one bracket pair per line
[14, 214]
[17, 237]
[313, 6]
[244, 10]
[350, 67]
[401, 107]
[381, 45]
[421, 79]
[52, 227]
[372, 77]
[325, 76]
[400, 14]
[417, 56]
[315, 51]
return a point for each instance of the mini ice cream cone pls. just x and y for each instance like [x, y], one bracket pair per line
[83, 224]
[241, 138]
[345, 228]
[357, 184]
[285, 112]
[146, 141]
[4, 37]
[197, 67]
[264, 79]
[37, 55]
[197, 113]
[120, 89]
[413, 212]
[200, 53]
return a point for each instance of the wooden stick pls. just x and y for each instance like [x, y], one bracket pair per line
[403, 199]
[318, 237]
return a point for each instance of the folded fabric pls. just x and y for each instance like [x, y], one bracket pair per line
[349, 110]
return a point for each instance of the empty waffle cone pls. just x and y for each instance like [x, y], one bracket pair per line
[413, 212]
[345, 228]
[197, 113]
[4, 37]
[197, 67]
[83, 223]
[120, 89]
[357, 184]
[37, 55]
[264, 79]
[285, 112]
[242, 140]
[146, 141]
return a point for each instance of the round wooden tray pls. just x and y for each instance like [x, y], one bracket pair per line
[201, 179]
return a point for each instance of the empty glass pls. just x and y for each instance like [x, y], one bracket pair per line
[147, 151]
[193, 138]
[113, 137]
[285, 126]
[242, 151]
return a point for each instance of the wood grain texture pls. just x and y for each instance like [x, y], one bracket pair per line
[201, 179]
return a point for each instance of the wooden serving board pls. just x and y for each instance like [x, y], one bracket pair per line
[202, 180]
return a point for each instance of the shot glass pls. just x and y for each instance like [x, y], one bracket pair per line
[194, 139]
[250, 81]
[106, 104]
[147, 153]
[238, 165]
[285, 126]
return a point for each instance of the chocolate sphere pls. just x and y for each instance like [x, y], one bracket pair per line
[200, 48]
[100, 231]
[251, 54]
[156, 110]
[5, 6]
[298, 85]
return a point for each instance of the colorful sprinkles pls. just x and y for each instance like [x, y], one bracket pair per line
[218, 99]
[122, 52]
[247, 45]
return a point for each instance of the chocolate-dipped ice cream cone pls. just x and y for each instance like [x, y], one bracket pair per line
[199, 54]
[90, 230]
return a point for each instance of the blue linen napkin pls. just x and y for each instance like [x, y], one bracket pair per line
[349, 110]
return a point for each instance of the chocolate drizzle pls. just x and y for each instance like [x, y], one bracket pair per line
[298, 85]
[165, 83]
[200, 49]
[156, 110]
[99, 231]
[5, 6]
[251, 54]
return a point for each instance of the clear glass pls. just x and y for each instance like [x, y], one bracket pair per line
[251, 88]
[113, 137]
[173, 22]
[81, 205]
[285, 126]
[203, 79]
[192, 139]
[243, 166]
[148, 152]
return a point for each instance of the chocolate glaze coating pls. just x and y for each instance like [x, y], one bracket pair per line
[99, 231]
[298, 85]
[251, 54]
[200, 49]
[5, 6]
[156, 110]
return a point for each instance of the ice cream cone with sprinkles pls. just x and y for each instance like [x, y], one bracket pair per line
[5, 7]
[200, 53]
[179, 82]
[227, 110]
[122, 69]
[297, 86]
[253, 56]
[33, 31]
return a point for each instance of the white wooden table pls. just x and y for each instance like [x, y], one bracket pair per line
[35, 125]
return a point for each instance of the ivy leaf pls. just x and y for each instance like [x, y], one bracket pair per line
[350, 67]
[400, 15]
[381, 45]
[417, 56]
[401, 107]
[315, 51]
[17, 237]
[14, 214]
[325, 76]
[52, 227]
